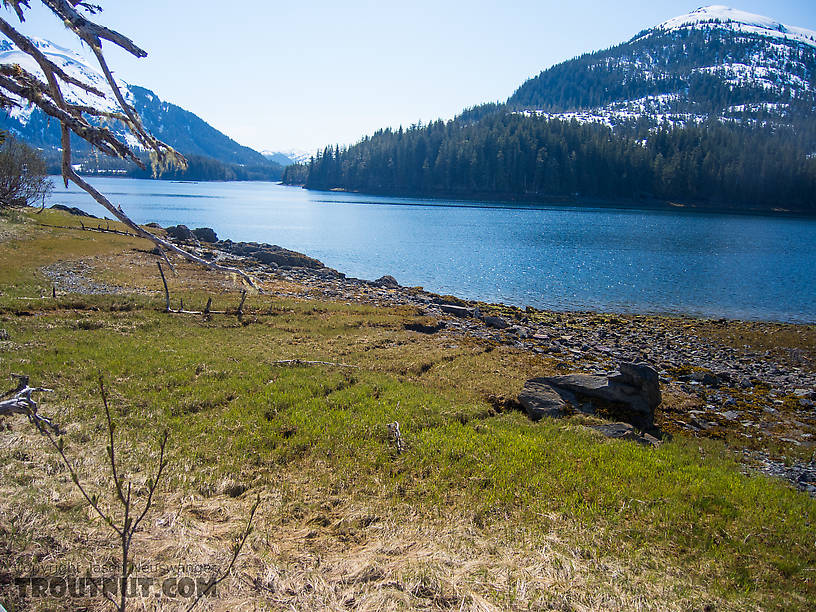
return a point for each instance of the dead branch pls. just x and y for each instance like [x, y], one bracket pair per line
[85, 228]
[166, 291]
[394, 430]
[300, 362]
[21, 402]
[16, 84]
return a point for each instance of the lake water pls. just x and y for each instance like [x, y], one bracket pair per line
[560, 258]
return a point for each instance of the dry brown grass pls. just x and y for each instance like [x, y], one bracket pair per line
[317, 550]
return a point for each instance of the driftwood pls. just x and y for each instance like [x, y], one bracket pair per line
[87, 228]
[207, 309]
[18, 87]
[21, 402]
[300, 362]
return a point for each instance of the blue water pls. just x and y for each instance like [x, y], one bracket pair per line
[560, 258]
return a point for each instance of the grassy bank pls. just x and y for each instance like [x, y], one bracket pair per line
[483, 510]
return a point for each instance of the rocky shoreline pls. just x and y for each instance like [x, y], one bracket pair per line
[756, 400]
[761, 401]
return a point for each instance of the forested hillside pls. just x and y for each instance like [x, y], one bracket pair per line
[515, 156]
[715, 108]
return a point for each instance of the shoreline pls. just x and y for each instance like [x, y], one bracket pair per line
[744, 382]
[578, 202]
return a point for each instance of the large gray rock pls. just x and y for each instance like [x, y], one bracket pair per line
[457, 311]
[496, 322]
[643, 376]
[540, 399]
[180, 232]
[636, 388]
[387, 281]
[73, 210]
[205, 234]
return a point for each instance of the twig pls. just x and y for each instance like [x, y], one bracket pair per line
[128, 527]
[213, 582]
[300, 362]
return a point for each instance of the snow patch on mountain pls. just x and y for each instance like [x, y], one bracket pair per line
[73, 65]
[295, 156]
[719, 16]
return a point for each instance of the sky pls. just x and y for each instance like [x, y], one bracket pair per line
[301, 75]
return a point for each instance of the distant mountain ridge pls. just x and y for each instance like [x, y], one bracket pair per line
[715, 61]
[176, 126]
[713, 109]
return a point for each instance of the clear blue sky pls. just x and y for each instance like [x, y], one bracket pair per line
[303, 74]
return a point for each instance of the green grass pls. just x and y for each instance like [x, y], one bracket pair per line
[233, 414]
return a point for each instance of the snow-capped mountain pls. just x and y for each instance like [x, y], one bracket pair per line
[288, 157]
[179, 128]
[715, 61]
[719, 16]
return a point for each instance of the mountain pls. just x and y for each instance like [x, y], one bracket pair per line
[714, 61]
[714, 109]
[287, 158]
[183, 130]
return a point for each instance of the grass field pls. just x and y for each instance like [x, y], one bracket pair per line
[484, 509]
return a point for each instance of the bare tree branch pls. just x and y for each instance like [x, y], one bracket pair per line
[15, 82]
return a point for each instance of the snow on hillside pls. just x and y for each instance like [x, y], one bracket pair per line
[295, 156]
[718, 16]
[73, 65]
[779, 66]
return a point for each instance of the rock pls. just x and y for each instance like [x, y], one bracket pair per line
[457, 311]
[540, 399]
[746, 383]
[271, 254]
[4, 335]
[806, 477]
[153, 225]
[643, 376]
[624, 431]
[636, 387]
[706, 378]
[205, 234]
[422, 328]
[180, 232]
[731, 415]
[520, 332]
[387, 281]
[72, 210]
[496, 322]
[285, 257]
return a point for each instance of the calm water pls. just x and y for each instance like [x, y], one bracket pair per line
[556, 258]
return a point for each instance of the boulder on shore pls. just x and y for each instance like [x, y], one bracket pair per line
[180, 232]
[636, 388]
[386, 281]
[73, 210]
[456, 311]
[205, 234]
[631, 394]
[541, 399]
